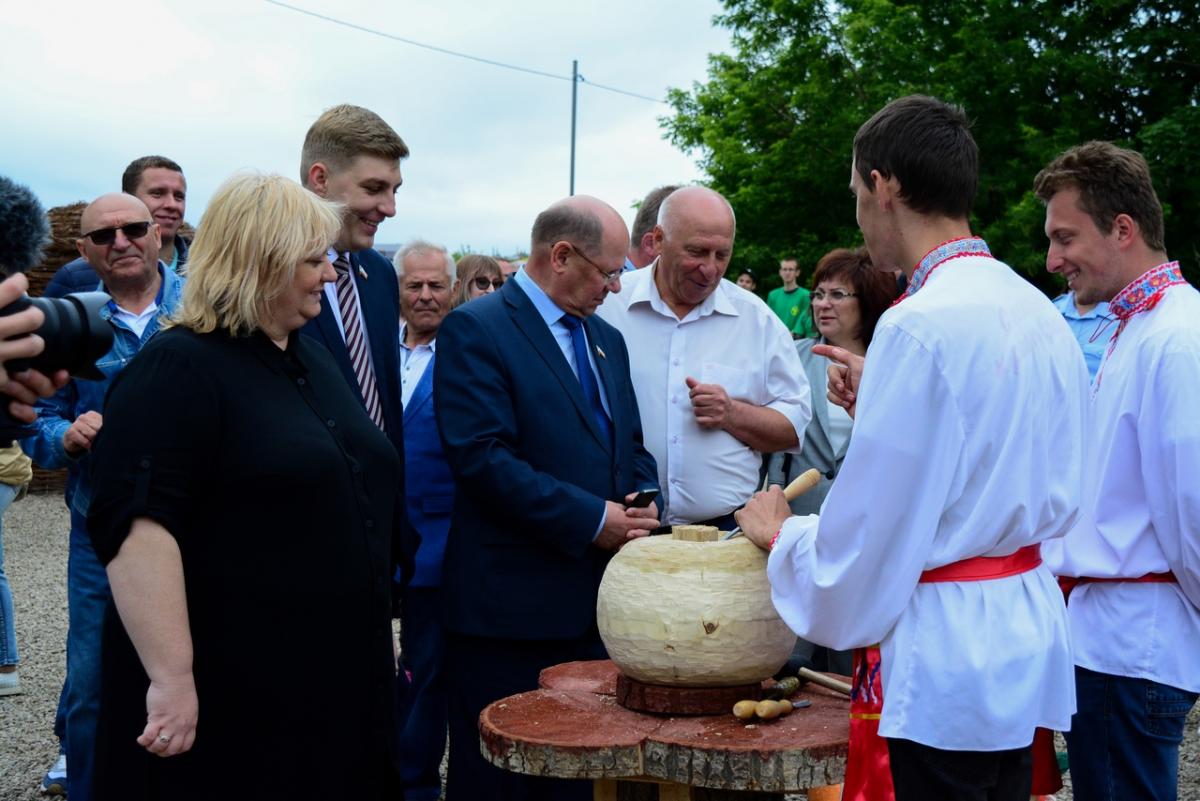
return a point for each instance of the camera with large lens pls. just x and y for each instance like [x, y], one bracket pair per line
[74, 332]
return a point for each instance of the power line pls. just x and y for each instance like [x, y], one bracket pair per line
[457, 54]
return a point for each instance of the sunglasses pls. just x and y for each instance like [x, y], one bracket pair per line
[106, 236]
[482, 282]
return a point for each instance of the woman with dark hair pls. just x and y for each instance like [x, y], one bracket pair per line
[478, 275]
[849, 296]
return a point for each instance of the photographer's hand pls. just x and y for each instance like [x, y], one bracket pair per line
[26, 387]
[24, 322]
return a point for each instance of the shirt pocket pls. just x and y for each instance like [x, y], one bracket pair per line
[737, 382]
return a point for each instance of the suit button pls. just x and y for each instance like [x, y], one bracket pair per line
[301, 381]
[331, 423]
[355, 469]
[369, 524]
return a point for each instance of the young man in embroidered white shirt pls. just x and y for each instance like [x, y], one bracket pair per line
[966, 456]
[1134, 555]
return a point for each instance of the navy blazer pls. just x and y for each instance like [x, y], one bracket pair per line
[379, 301]
[429, 486]
[532, 468]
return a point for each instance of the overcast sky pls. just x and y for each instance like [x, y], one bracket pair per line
[225, 85]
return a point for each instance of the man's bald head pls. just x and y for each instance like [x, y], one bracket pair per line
[575, 245]
[694, 240]
[111, 202]
[696, 203]
[120, 240]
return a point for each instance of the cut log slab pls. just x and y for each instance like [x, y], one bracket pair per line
[596, 676]
[662, 700]
[580, 734]
[570, 735]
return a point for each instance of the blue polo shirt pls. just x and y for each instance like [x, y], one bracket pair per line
[1092, 330]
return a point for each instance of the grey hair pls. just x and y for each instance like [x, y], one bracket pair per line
[419, 246]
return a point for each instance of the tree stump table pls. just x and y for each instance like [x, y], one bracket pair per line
[573, 728]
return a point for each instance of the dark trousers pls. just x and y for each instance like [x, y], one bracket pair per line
[1125, 736]
[922, 773]
[480, 670]
[422, 717]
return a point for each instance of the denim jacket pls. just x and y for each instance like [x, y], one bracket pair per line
[55, 414]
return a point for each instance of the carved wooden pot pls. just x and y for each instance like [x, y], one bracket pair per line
[691, 614]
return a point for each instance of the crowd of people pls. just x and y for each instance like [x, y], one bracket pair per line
[295, 441]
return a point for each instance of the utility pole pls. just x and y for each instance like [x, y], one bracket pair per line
[574, 103]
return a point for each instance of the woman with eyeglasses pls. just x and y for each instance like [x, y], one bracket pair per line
[246, 510]
[478, 275]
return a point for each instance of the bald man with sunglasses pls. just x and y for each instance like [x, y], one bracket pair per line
[121, 241]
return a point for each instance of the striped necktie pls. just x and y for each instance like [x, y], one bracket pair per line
[356, 340]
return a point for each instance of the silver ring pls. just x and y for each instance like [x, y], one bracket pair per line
[164, 739]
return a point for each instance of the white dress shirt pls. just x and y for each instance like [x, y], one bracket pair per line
[967, 442]
[413, 363]
[732, 339]
[1141, 503]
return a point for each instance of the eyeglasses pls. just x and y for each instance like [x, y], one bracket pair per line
[609, 277]
[106, 236]
[482, 282]
[835, 295]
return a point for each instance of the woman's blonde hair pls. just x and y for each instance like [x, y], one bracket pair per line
[470, 267]
[256, 229]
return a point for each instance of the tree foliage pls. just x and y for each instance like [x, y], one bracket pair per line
[774, 123]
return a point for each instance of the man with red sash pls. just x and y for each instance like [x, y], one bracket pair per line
[1134, 555]
[966, 456]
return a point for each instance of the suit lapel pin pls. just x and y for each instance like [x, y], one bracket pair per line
[362, 273]
[600, 352]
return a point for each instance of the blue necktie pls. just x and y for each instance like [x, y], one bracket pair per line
[591, 390]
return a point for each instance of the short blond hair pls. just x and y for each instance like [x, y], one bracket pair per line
[255, 231]
[345, 132]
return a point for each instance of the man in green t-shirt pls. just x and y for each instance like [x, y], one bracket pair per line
[791, 302]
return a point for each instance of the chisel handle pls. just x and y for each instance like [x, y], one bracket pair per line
[803, 483]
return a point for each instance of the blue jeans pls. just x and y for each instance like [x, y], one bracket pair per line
[1124, 740]
[423, 713]
[88, 597]
[8, 629]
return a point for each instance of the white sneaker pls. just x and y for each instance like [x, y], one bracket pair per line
[10, 683]
[55, 780]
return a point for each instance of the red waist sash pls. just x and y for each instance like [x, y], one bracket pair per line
[984, 568]
[868, 769]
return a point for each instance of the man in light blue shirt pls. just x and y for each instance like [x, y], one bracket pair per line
[1092, 326]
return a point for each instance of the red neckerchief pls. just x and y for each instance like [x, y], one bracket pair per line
[1142, 295]
[950, 249]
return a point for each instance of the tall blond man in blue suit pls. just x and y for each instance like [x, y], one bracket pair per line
[540, 426]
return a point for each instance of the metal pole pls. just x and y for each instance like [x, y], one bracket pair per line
[574, 101]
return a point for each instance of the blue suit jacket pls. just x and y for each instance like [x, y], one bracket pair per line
[429, 486]
[379, 301]
[532, 469]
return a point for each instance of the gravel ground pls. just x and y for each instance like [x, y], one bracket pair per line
[35, 561]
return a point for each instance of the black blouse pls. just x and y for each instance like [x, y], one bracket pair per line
[284, 499]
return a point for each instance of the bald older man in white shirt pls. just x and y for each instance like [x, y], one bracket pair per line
[717, 377]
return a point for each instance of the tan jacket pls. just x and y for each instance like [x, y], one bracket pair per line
[15, 467]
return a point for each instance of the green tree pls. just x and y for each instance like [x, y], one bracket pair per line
[774, 123]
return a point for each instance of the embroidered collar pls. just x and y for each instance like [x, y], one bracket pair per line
[1146, 291]
[951, 249]
[1142, 295]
